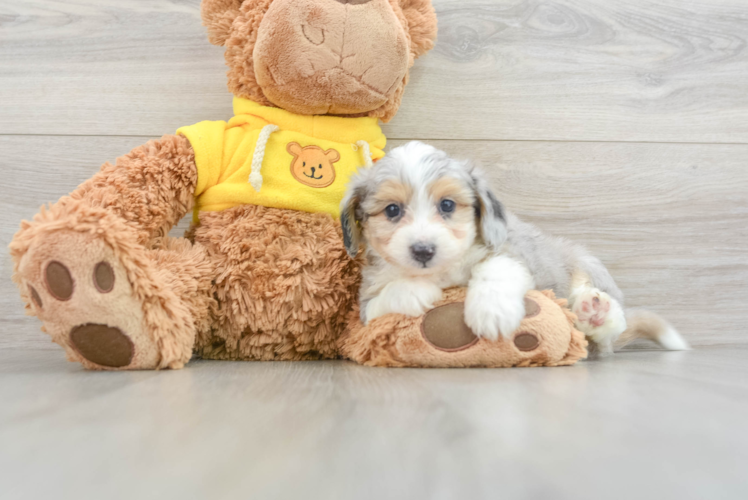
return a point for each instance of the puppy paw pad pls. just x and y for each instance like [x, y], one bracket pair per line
[592, 308]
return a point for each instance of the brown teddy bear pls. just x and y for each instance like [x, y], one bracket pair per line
[263, 273]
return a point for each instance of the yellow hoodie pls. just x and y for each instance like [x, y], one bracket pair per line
[271, 157]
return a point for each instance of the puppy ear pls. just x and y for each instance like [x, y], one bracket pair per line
[351, 214]
[421, 25]
[218, 16]
[489, 211]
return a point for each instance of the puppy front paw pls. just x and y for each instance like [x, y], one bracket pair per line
[490, 318]
[404, 297]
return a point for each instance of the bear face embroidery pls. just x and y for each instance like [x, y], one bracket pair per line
[312, 166]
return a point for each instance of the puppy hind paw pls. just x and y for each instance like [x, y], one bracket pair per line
[599, 316]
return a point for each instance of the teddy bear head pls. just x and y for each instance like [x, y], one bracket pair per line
[312, 57]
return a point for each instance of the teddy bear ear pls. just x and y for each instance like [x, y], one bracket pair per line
[422, 25]
[294, 149]
[332, 155]
[218, 15]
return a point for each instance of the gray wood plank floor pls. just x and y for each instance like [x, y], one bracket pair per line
[645, 425]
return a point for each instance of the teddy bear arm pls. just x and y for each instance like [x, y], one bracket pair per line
[152, 187]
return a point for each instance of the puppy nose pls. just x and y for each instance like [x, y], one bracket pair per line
[423, 252]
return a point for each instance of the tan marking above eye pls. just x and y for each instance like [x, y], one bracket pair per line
[453, 189]
[389, 192]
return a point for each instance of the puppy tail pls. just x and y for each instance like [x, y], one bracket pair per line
[642, 324]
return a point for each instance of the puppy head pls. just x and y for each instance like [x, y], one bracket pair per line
[420, 210]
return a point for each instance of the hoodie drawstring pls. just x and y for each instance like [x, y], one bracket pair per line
[255, 177]
[366, 152]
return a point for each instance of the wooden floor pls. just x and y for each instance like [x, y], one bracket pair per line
[622, 125]
[644, 425]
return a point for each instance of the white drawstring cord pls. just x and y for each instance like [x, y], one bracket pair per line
[366, 152]
[255, 177]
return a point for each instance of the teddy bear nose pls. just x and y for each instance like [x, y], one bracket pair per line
[354, 2]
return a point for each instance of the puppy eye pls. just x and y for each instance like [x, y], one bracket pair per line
[447, 206]
[392, 211]
[303, 164]
[320, 166]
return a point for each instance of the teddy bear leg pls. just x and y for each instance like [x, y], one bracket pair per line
[109, 290]
[441, 337]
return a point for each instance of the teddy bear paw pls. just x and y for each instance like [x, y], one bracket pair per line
[80, 290]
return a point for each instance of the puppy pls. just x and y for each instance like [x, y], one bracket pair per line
[428, 222]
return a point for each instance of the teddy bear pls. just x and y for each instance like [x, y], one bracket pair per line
[262, 274]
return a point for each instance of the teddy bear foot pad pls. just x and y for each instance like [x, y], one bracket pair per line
[444, 328]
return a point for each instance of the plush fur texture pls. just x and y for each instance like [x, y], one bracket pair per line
[399, 340]
[283, 284]
[152, 186]
[322, 56]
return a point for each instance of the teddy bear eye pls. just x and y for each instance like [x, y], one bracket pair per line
[303, 164]
[320, 165]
